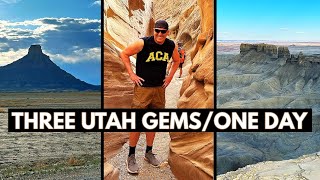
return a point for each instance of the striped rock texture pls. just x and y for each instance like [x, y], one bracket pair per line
[191, 22]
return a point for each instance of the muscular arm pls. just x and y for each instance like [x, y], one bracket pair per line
[176, 62]
[132, 49]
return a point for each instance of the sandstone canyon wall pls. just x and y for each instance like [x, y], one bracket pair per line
[125, 21]
[191, 22]
[191, 154]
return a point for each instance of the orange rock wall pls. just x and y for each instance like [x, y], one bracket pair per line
[191, 22]
[191, 154]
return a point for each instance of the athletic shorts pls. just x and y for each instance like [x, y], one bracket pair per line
[148, 98]
[180, 65]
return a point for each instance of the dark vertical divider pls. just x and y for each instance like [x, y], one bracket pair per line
[215, 83]
[102, 82]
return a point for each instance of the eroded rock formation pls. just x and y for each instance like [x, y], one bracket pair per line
[36, 72]
[283, 52]
[112, 145]
[277, 52]
[257, 80]
[191, 22]
[125, 21]
[268, 49]
[191, 154]
[117, 85]
[305, 167]
[110, 173]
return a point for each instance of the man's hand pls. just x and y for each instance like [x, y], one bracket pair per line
[136, 79]
[176, 62]
[167, 81]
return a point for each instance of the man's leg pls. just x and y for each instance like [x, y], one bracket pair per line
[132, 166]
[150, 137]
[133, 140]
[149, 156]
[140, 101]
[158, 102]
[180, 68]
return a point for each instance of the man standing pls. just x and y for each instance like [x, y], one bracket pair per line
[153, 54]
[182, 57]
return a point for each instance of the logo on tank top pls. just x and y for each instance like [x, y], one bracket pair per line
[158, 56]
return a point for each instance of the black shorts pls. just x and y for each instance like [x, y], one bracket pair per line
[180, 65]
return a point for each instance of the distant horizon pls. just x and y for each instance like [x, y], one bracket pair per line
[297, 41]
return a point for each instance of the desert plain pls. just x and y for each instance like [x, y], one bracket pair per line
[36, 155]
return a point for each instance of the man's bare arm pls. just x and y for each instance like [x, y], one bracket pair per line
[176, 62]
[132, 49]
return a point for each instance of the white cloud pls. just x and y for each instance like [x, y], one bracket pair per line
[9, 1]
[42, 29]
[96, 3]
[300, 32]
[284, 29]
[38, 27]
[66, 38]
[89, 54]
[16, 33]
[25, 29]
[11, 56]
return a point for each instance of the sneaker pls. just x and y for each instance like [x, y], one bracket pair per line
[149, 157]
[132, 166]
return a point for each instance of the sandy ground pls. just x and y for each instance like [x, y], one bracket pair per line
[48, 155]
[173, 90]
[161, 144]
[146, 171]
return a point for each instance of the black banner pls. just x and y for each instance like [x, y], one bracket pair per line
[160, 120]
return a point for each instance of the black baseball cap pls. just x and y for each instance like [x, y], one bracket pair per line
[161, 24]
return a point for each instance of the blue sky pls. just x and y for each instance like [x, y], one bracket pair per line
[274, 20]
[68, 31]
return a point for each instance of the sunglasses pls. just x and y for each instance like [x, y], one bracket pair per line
[162, 31]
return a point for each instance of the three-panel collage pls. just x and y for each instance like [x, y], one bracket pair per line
[172, 60]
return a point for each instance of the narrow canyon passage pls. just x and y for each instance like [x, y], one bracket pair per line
[190, 22]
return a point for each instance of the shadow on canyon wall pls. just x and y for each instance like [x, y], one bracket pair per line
[191, 22]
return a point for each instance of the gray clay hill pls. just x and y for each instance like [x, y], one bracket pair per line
[267, 76]
[36, 72]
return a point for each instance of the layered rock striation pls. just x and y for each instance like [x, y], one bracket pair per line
[278, 52]
[191, 22]
[268, 49]
[305, 167]
[258, 80]
[191, 154]
[125, 21]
